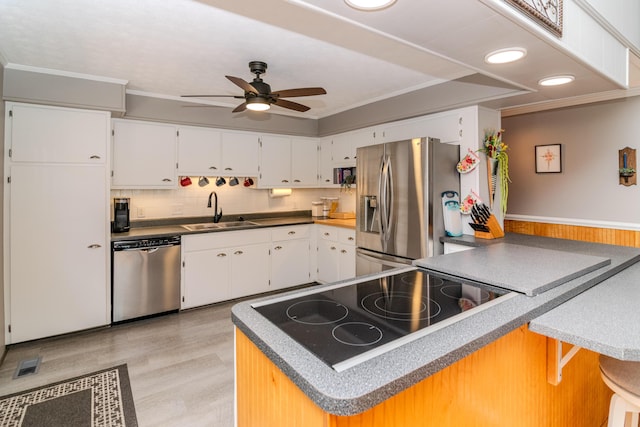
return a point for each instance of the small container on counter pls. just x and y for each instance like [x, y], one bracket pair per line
[316, 208]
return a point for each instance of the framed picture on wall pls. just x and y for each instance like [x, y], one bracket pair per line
[548, 158]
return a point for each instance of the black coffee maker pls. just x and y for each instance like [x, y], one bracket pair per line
[120, 214]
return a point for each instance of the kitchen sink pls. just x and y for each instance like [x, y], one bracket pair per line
[230, 224]
[214, 225]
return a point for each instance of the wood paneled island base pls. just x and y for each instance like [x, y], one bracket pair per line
[502, 384]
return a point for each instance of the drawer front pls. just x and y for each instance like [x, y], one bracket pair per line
[290, 232]
[328, 233]
[347, 236]
[224, 239]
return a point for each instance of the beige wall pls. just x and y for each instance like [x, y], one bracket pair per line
[588, 187]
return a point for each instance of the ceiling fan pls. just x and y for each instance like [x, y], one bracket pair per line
[258, 95]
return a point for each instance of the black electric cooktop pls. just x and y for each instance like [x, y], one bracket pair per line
[348, 323]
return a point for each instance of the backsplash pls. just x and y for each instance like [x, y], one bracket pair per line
[191, 201]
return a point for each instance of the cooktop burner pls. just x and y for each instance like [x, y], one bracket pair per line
[347, 323]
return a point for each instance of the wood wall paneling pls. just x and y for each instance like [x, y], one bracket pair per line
[502, 384]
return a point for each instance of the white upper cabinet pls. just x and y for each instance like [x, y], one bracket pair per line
[447, 127]
[57, 135]
[287, 162]
[325, 164]
[275, 162]
[199, 151]
[240, 154]
[144, 155]
[304, 162]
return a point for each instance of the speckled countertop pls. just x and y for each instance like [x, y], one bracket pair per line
[604, 319]
[149, 229]
[365, 385]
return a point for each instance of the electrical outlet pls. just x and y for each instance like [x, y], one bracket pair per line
[140, 212]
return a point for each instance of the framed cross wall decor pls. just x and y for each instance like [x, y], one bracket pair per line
[546, 12]
[548, 158]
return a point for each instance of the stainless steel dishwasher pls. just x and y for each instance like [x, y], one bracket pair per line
[145, 277]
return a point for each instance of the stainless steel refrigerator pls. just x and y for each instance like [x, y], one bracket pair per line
[399, 208]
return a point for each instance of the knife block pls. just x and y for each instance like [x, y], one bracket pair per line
[495, 231]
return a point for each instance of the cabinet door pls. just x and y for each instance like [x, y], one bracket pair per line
[249, 270]
[59, 249]
[290, 263]
[325, 164]
[144, 155]
[57, 135]
[304, 163]
[206, 277]
[343, 151]
[199, 152]
[347, 261]
[275, 162]
[240, 154]
[328, 261]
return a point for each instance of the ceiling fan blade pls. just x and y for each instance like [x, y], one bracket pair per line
[212, 96]
[303, 91]
[243, 84]
[240, 108]
[290, 105]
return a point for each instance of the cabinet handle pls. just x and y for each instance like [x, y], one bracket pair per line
[277, 248]
[333, 248]
[166, 180]
[291, 233]
[213, 167]
[94, 157]
[221, 254]
[228, 169]
[346, 158]
[350, 238]
[296, 180]
[343, 251]
[94, 246]
[285, 180]
[327, 180]
[326, 234]
[238, 253]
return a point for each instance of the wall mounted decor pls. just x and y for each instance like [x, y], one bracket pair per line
[548, 158]
[627, 166]
[548, 13]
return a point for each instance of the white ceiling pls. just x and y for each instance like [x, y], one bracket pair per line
[174, 47]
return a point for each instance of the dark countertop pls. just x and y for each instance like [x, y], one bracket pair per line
[149, 229]
[371, 382]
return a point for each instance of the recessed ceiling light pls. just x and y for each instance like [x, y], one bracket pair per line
[556, 80]
[503, 56]
[369, 4]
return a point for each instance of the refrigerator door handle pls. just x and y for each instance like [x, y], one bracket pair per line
[382, 201]
[391, 200]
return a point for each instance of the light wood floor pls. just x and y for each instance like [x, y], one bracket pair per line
[180, 365]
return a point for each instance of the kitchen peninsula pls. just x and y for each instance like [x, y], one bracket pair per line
[487, 369]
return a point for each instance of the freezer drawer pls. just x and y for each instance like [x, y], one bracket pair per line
[369, 262]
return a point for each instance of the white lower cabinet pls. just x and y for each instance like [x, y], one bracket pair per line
[221, 266]
[336, 253]
[290, 256]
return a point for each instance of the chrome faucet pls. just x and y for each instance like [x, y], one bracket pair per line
[216, 215]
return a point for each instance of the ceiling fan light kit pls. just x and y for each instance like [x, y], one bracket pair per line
[257, 104]
[258, 95]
